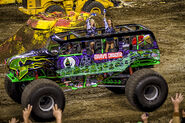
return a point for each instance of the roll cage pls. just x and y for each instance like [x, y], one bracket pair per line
[121, 30]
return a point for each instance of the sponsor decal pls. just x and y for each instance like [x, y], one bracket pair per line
[108, 56]
[115, 55]
[69, 62]
[100, 56]
[154, 55]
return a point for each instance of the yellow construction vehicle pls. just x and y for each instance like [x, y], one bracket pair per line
[37, 30]
[32, 7]
[2, 2]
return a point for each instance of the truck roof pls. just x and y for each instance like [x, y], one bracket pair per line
[121, 30]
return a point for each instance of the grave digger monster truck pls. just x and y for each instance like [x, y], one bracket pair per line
[35, 77]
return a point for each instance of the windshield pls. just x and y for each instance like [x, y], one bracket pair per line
[52, 45]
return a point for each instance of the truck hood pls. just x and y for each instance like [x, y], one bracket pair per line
[38, 52]
[30, 60]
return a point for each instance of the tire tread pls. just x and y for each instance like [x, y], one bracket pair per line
[134, 80]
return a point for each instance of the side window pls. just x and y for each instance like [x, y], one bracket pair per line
[141, 42]
[124, 43]
[145, 42]
[98, 46]
[53, 47]
[111, 44]
[71, 48]
[77, 47]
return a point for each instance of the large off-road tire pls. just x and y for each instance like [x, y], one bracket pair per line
[146, 90]
[42, 94]
[14, 90]
[94, 7]
[54, 8]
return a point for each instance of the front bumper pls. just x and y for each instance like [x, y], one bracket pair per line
[13, 78]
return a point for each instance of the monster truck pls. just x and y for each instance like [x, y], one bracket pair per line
[35, 77]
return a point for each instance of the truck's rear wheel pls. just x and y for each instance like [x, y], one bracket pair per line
[14, 90]
[94, 7]
[42, 94]
[146, 90]
[54, 8]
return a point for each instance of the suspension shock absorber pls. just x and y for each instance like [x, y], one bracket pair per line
[130, 70]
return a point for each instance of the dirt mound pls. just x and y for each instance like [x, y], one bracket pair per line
[24, 40]
[27, 38]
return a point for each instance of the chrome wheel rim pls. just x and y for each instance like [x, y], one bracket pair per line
[151, 92]
[46, 103]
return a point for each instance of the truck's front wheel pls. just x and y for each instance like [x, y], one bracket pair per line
[146, 90]
[42, 94]
[14, 90]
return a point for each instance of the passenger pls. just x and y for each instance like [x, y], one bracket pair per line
[109, 29]
[91, 31]
[69, 49]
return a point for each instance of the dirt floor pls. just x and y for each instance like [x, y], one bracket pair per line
[165, 18]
